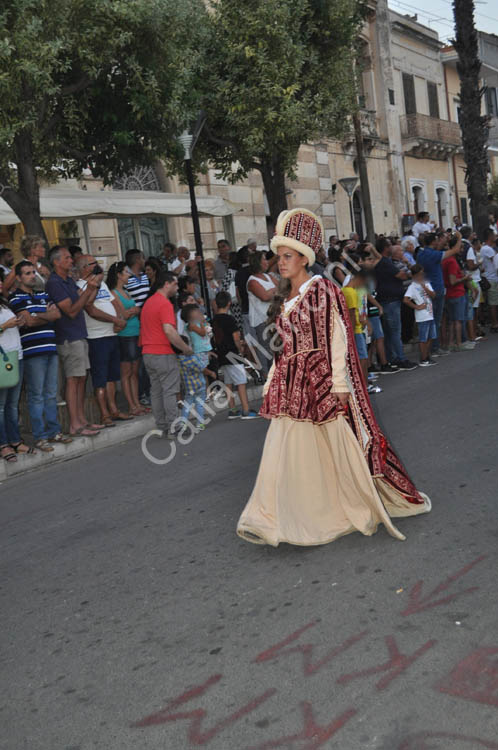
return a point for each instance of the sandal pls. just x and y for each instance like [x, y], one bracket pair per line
[84, 432]
[22, 449]
[120, 417]
[44, 446]
[60, 438]
[10, 457]
[107, 422]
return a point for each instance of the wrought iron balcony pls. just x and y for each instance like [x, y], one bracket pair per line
[429, 136]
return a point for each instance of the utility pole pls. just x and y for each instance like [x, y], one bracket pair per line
[363, 172]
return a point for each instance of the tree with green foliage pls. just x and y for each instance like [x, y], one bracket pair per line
[475, 126]
[279, 74]
[104, 84]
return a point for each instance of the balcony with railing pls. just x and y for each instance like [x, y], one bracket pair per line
[430, 137]
[369, 131]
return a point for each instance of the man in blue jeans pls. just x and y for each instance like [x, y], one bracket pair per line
[40, 356]
[431, 258]
[390, 292]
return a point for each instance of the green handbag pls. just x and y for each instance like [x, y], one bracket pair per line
[9, 369]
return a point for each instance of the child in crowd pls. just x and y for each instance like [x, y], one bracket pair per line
[419, 296]
[229, 344]
[356, 295]
[184, 298]
[194, 386]
[199, 333]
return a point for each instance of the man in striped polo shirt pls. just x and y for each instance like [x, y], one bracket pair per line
[138, 288]
[40, 356]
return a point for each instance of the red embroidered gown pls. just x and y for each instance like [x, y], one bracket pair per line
[325, 471]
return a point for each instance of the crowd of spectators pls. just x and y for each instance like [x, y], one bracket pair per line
[143, 325]
[146, 324]
[437, 288]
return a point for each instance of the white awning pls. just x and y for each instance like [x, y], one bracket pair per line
[106, 204]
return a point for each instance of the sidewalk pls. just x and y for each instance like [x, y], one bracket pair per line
[123, 431]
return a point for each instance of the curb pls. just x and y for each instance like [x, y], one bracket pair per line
[81, 446]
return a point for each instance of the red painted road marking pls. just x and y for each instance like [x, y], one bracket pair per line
[475, 678]
[395, 665]
[311, 731]
[419, 603]
[418, 741]
[197, 716]
[306, 649]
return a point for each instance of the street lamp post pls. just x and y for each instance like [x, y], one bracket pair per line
[187, 140]
[349, 184]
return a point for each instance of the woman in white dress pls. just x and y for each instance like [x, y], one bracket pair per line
[326, 469]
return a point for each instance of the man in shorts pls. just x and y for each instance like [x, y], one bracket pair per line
[490, 273]
[102, 325]
[70, 335]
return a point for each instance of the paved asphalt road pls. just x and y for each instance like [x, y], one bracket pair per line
[133, 618]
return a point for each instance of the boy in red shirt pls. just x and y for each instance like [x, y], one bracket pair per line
[454, 282]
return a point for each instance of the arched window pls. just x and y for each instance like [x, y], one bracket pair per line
[441, 206]
[418, 199]
[148, 233]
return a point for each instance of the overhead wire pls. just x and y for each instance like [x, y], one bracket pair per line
[433, 17]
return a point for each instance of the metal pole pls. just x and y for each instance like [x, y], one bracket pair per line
[351, 213]
[197, 237]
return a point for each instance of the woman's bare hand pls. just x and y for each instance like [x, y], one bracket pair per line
[343, 398]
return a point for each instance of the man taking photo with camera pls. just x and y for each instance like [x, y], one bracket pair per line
[70, 335]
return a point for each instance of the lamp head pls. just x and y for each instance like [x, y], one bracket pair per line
[186, 140]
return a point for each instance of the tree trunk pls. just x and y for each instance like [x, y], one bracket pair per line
[273, 175]
[475, 127]
[25, 200]
[363, 172]
[27, 210]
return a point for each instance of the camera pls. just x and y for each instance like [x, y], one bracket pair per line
[97, 270]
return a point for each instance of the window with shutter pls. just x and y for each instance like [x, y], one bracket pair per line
[409, 94]
[433, 99]
[463, 210]
[491, 101]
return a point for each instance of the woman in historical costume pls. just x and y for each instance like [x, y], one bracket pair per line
[326, 469]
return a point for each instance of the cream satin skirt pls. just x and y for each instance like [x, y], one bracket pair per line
[314, 486]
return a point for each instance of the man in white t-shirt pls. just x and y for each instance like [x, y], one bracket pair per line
[102, 323]
[422, 224]
[419, 296]
[179, 261]
[490, 273]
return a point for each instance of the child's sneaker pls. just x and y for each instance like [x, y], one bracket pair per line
[201, 426]
[249, 415]
[374, 389]
[233, 414]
